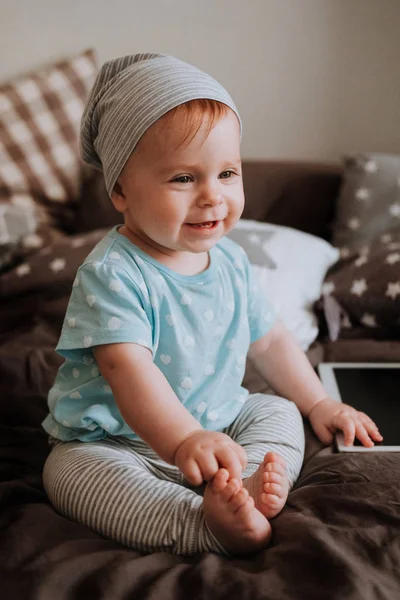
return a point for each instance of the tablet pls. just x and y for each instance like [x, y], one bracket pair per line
[373, 388]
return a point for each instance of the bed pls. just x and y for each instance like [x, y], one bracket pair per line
[338, 536]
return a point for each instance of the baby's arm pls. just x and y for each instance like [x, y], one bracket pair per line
[280, 360]
[151, 408]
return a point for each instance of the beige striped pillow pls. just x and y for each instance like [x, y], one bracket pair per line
[40, 168]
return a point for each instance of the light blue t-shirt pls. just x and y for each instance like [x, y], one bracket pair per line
[198, 328]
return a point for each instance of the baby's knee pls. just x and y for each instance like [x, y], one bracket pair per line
[293, 410]
[270, 404]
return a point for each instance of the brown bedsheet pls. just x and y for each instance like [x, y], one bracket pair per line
[337, 538]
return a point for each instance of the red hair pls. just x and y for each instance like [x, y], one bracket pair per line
[193, 113]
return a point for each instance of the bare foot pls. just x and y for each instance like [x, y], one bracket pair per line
[269, 485]
[232, 517]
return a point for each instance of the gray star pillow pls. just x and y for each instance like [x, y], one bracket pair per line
[254, 243]
[369, 201]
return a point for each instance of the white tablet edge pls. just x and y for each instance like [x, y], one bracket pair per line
[329, 382]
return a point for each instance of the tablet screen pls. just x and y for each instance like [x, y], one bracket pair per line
[375, 392]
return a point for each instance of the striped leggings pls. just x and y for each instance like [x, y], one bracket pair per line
[124, 491]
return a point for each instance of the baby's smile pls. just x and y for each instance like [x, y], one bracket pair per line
[204, 227]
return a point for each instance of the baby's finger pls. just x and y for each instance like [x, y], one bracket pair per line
[362, 435]
[323, 433]
[192, 472]
[371, 428]
[376, 435]
[208, 465]
[242, 454]
[365, 418]
[229, 459]
[344, 422]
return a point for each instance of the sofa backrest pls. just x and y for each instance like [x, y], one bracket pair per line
[292, 193]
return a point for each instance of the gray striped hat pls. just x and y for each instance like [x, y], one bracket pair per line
[128, 96]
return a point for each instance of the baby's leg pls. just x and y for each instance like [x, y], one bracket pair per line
[271, 430]
[131, 497]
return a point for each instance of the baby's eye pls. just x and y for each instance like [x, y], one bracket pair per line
[182, 179]
[228, 173]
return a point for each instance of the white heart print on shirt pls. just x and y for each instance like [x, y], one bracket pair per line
[114, 323]
[88, 360]
[170, 320]
[186, 299]
[115, 285]
[187, 383]
[87, 341]
[201, 407]
[91, 299]
[165, 359]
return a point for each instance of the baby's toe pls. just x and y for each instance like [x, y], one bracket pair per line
[275, 468]
[273, 457]
[274, 489]
[230, 490]
[220, 480]
[239, 499]
[272, 477]
[272, 500]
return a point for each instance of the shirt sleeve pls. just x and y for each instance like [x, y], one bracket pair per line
[106, 306]
[261, 314]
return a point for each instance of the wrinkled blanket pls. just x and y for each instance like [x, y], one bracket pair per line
[337, 538]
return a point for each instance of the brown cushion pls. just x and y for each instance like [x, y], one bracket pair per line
[52, 266]
[369, 200]
[40, 168]
[363, 289]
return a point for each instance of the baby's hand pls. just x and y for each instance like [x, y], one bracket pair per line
[328, 415]
[202, 453]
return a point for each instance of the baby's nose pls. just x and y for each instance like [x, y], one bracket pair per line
[210, 198]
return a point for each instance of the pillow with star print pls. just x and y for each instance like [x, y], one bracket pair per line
[255, 244]
[365, 283]
[369, 200]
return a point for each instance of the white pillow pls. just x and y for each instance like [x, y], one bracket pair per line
[295, 267]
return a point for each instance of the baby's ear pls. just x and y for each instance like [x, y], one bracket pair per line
[118, 197]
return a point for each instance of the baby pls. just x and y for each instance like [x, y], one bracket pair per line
[155, 443]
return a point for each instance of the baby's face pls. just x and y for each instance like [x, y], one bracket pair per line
[183, 198]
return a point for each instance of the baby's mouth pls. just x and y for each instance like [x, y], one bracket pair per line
[204, 225]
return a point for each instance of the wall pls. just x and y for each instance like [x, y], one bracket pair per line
[311, 78]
